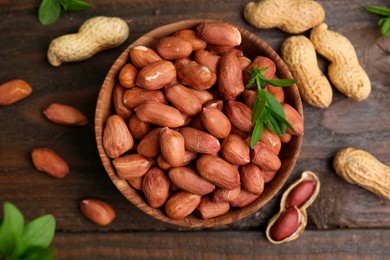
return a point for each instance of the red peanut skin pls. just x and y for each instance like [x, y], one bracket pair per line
[272, 140]
[268, 175]
[149, 146]
[235, 151]
[300, 194]
[190, 35]
[172, 146]
[117, 100]
[251, 178]
[294, 119]
[209, 209]
[14, 91]
[188, 180]
[262, 62]
[172, 48]
[220, 195]
[181, 204]
[286, 225]
[240, 115]
[265, 158]
[207, 59]
[155, 186]
[46, 160]
[142, 57]
[198, 141]
[117, 138]
[216, 123]
[218, 171]
[277, 92]
[243, 199]
[230, 82]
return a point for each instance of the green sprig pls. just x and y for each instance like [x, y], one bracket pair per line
[267, 111]
[25, 241]
[383, 22]
[50, 10]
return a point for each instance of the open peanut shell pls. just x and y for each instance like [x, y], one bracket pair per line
[306, 176]
[301, 227]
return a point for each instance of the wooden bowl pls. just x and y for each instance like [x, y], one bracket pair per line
[252, 46]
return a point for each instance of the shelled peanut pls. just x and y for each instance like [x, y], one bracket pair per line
[182, 120]
[290, 222]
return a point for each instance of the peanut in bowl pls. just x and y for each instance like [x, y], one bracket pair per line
[200, 171]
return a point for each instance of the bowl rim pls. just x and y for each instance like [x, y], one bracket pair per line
[103, 111]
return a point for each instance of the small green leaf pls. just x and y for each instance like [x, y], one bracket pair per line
[258, 106]
[257, 133]
[266, 115]
[251, 82]
[40, 231]
[283, 120]
[378, 10]
[280, 82]
[385, 30]
[11, 228]
[74, 5]
[274, 126]
[274, 104]
[38, 253]
[49, 11]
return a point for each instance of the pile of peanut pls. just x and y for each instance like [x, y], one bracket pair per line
[182, 126]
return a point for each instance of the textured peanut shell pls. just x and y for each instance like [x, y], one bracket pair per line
[344, 72]
[361, 168]
[306, 176]
[94, 35]
[292, 16]
[300, 57]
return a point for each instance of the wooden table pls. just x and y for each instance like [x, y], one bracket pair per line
[345, 221]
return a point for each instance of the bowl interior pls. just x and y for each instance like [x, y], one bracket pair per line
[251, 46]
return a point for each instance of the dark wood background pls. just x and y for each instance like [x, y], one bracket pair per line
[345, 220]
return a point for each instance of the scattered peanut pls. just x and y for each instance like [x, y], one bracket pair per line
[46, 160]
[292, 16]
[300, 57]
[344, 72]
[95, 34]
[361, 168]
[65, 115]
[13, 91]
[97, 211]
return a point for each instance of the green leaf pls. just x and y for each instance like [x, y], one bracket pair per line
[258, 106]
[10, 230]
[40, 231]
[74, 5]
[283, 120]
[274, 126]
[385, 30]
[49, 11]
[38, 253]
[251, 82]
[280, 82]
[378, 10]
[257, 133]
[274, 104]
[266, 115]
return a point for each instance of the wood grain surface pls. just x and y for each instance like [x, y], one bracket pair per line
[340, 206]
[362, 244]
